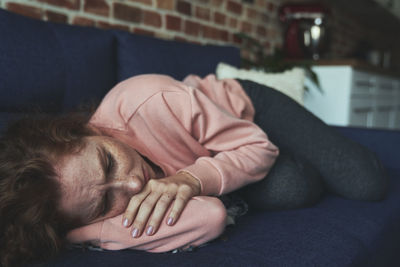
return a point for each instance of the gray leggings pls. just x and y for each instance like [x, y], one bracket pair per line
[314, 158]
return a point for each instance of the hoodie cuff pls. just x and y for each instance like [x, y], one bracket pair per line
[208, 176]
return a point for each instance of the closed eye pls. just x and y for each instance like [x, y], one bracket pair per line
[106, 204]
[110, 165]
[109, 171]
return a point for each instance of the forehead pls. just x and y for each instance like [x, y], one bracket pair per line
[80, 175]
[79, 167]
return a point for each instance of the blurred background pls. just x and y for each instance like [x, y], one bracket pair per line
[368, 30]
[352, 48]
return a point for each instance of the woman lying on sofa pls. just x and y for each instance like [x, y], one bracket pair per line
[144, 171]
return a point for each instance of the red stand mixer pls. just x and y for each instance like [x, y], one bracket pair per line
[306, 35]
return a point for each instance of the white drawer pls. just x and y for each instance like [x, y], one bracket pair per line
[386, 86]
[397, 91]
[363, 83]
[385, 101]
[384, 111]
[361, 112]
[396, 121]
[383, 117]
[357, 97]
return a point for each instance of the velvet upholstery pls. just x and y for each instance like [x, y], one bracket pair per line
[55, 67]
[140, 54]
[335, 232]
[52, 67]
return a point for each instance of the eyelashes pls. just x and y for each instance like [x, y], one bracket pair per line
[106, 204]
[110, 167]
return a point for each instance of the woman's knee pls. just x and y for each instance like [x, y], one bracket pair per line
[300, 195]
[378, 187]
[374, 187]
[367, 180]
[291, 184]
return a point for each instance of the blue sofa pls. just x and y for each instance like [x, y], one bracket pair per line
[55, 67]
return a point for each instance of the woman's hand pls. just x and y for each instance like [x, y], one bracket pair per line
[150, 205]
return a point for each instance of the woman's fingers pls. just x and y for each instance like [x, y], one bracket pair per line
[133, 207]
[158, 213]
[143, 214]
[156, 199]
[182, 198]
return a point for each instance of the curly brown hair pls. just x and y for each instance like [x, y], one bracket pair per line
[32, 228]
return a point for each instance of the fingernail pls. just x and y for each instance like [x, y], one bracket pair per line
[149, 230]
[135, 232]
[125, 223]
[170, 221]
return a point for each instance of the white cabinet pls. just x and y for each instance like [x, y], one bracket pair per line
[353, 97]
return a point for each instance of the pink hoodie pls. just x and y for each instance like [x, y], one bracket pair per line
[201, 126]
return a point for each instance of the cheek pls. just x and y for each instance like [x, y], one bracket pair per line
[120, 202]
[129, 156]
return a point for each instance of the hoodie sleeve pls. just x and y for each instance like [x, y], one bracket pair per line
[198, 128]
[241, 152]
[202, 220]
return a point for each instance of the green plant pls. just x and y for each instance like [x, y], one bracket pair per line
[275, 62]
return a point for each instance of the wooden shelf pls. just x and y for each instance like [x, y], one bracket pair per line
[355, 63]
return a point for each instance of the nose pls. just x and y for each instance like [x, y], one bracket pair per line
[131, 185]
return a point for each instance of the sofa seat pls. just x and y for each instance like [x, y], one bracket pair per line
[336, 232]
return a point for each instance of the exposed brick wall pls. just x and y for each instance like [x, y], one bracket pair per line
[198, 21]
[348, 31]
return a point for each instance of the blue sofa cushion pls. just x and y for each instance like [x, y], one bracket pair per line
[89, 63]
[6, 118]
[335, 232]
[31, 64]
[142, 54]
[52, 66]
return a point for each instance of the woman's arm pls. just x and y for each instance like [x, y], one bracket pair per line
[149, 206]
[241, 152]
[202, 220]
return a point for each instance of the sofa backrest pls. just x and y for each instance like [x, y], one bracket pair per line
[54, 67]
[141, 54]
[46, 64]
[51, 67]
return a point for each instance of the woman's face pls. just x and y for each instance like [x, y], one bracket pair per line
[100, 179]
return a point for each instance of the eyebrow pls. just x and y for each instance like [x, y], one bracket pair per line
[98, 208]
[102, 157]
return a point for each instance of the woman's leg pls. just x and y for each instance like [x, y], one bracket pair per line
[291, 183]
[347, 168]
